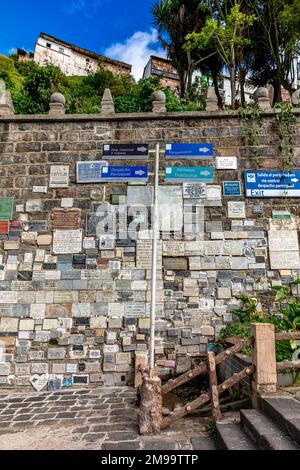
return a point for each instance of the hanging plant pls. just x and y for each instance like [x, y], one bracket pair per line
[251, 115]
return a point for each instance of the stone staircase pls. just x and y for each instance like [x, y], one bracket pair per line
[275, 427]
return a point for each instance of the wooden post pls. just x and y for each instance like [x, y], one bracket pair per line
[264, 361]
[216, 411]
[141, 362]
[150, 416]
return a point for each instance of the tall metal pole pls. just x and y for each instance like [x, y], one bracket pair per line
[154, 263]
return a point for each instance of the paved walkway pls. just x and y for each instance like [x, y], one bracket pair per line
[104, 418]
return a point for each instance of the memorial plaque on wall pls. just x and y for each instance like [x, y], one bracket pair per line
[66, 218]
[4, 227]
[194, 190]
[139, 195]
[125, 151]
[170, 205]
[59, 176]
[67, 241]
[6, 208]
[89, 172]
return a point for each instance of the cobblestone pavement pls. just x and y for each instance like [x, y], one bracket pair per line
[103, 418]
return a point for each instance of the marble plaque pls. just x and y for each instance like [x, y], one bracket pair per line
[7, 297]
[284, 259]
[67, 241]
[213, 191]
[173, 248]
[144, 254]
[194, 190]
[283, 240]
[170, 204]
[106, 242]
[236, 210]
[135, 310]
[137, 195]
[226, 163]
[175, 264]
[34, 205]
[6, 208]
[66, 218]
[59, 176]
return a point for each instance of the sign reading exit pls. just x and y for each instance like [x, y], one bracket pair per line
[272, 183]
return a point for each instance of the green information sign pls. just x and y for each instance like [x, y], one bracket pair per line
[6, 208]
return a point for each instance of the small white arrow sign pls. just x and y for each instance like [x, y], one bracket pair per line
[205, 173]
[141, 149]
[140, 172]
[204, 149]
[294, 180]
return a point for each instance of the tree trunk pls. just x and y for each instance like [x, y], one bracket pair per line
[242, 80]
[150, 416]
[215, 84]
[232, 86]
[277, 98]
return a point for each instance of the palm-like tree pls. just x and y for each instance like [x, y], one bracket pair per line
[174, 19]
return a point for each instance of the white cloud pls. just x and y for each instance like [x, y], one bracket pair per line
[136, 50]
[12, 50]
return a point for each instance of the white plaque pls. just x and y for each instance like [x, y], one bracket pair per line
[226, 163]
[283, 240]
[59, 176]
[236, 210]
[67, 241]
[170, 205]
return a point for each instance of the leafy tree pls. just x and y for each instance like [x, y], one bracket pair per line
[275, 43]
[174, 19]
[227, 31]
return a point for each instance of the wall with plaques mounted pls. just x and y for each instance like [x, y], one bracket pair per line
[74, 279]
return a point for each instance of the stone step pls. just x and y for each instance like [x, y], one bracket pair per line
[286, 412]
[264, 432]
[231, 436]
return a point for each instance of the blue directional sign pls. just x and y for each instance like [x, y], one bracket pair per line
[203, 174]
[272, 183]
[197, 151]
[124, 173]
[89, 172]
[231, 188]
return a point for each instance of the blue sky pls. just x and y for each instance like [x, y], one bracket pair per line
[120, 29]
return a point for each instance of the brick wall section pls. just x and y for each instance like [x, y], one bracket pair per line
[188, 320]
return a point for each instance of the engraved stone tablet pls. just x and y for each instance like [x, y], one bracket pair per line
[194, 190]
[283, 240]
[236, 210]
[170, 205]
[67, 241]
[66, 218]
[59, 176]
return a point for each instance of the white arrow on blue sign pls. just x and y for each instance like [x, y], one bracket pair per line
[196, 151]
[124, 173]
[272, 183]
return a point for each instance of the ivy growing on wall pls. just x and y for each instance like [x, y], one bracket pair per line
[251, 116]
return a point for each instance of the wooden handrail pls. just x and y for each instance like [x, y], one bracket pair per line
[205, 397]
[202, 367]
[287, 336]
[288, 365]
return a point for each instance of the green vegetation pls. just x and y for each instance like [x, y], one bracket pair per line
[250, 38]
[31, 87]
[287, 320]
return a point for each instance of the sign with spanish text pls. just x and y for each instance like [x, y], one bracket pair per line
[196, 151]
[272, 183]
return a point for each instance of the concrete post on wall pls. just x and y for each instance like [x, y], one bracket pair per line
[211, 102]
[57, 104]
[107, 103]
[264, 361]
[6, 104]
[159, 102]
[262, 98]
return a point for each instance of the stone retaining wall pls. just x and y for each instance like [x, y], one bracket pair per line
[81, 315]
